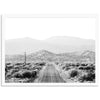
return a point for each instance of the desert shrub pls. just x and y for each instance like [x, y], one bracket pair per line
[26, 74]
[81, 68]
[18, 75]
[28, 63]
[7, 76]
[10, 73]
[88, 77]
[77, 65]
[84, 64]
[14, 71]
[40, 64]
[29, 74]
[8, 64]
[63, 67]
[88, 68]
[34, 73]
[6, 70]
[19, 64]
[26, 68]
[74, 73]
[9, 67]
[17, 68]
[57, 63]
[73, 65]
[66, 67]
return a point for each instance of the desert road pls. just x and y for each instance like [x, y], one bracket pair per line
[50, 75]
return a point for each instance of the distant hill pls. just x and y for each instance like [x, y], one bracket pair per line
[59, 44]
[88, 55]
[44, 55]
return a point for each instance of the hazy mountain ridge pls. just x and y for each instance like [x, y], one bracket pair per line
[72, 40]
[59, 44]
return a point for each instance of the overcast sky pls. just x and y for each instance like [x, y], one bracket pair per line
[43, 28]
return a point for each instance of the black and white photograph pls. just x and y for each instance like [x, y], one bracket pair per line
[49, 49]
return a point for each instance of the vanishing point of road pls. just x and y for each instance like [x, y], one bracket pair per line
[50, 75]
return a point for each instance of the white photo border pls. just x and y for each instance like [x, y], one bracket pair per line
[2, 26]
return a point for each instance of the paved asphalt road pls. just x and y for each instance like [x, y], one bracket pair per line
[50, 75]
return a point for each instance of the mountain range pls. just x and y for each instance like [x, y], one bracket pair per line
[56, 44]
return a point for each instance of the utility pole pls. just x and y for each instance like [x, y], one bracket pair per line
[25, 58]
